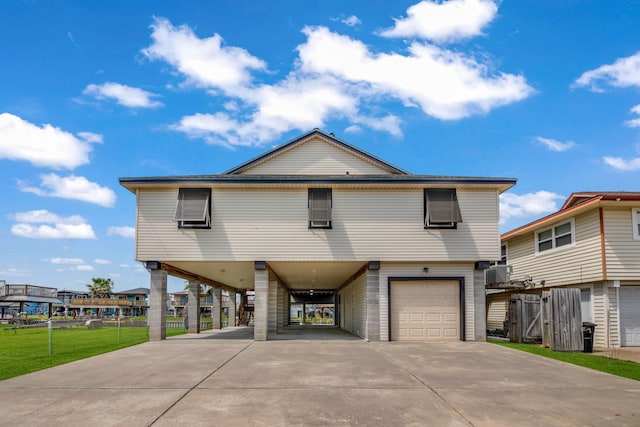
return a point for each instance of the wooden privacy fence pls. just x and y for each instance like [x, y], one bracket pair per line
[524, 318]
[562, 319]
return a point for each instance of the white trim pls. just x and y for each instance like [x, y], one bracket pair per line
[635, 223]
[619, 343]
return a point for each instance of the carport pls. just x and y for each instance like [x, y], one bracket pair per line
[327, 288]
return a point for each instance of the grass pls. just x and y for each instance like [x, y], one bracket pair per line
[27, 350]
[621, 368]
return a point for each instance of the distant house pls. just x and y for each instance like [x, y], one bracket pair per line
[319, 228]
[178, 302]
[139, 298]
[593, 243]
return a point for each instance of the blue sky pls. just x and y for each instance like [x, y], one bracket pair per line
[545, 92]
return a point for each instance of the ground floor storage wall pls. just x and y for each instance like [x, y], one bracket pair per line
[353, 310]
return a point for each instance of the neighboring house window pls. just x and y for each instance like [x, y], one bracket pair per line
[503, 255]
[585, 305]
[319, 208]
[636, 224]
[555, 237]
[441, 209]
[193, 209]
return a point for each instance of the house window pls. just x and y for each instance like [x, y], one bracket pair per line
[503, 255]
[319, 208]
[636, 224]
[193, 208]
[441, 209]
[555, 237]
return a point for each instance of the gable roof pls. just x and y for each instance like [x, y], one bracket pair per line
[135, 291]
[389, 177]
[328, 137]
[577, 202]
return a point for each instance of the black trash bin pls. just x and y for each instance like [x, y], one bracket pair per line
[588, 333]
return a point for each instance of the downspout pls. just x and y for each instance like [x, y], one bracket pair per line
[602, 246]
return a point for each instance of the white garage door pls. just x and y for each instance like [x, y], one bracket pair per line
[630, 315]
[425, 310]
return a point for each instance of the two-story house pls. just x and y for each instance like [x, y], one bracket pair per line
[592, 242]
[318, 221]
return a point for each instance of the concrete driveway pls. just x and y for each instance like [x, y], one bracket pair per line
[211, 379]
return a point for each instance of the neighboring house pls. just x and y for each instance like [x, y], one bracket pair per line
[139, 298]
[66, 296]
[319, 221]
[179, 300]
[593, 243]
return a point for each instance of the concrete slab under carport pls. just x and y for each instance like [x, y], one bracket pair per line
[205, 379]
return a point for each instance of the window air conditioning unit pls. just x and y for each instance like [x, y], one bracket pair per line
[497, 274]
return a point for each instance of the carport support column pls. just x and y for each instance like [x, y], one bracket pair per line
[260, 307]
[372, 295]
[479, 306]
[158, 305]
[216, 308]
[232, 308]
[193, 325]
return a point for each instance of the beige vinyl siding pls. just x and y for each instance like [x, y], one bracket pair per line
[368, 224]
[346, 302]
[498, 306]
[614, 317]
[316, 157]
[566, 265]
[600, 315]
[622, 251]
[355, 311]
[435, 270]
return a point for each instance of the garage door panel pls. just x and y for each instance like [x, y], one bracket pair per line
[450, 317]
[417, 333]
[451, 332]
[425, 310]
[630, 316]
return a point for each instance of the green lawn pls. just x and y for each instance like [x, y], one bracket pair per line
[27, 350]
[621, 368]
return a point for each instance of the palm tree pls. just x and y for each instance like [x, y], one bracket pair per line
[101, 287]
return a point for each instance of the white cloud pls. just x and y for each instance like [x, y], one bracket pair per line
[445, 84]
[102, 261]
[57, 260]
[622, 164]
[74, 188]
[351, 21]
[444, 21]
[624, 72]
[42, 146]
[91, 137]
[291, 104]
[126, 96]
[73, 227]
[334, 77]
[555, 145]
[14, 272]
[205, 62]
[128, 232]
[634, 123]
[526, 205]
